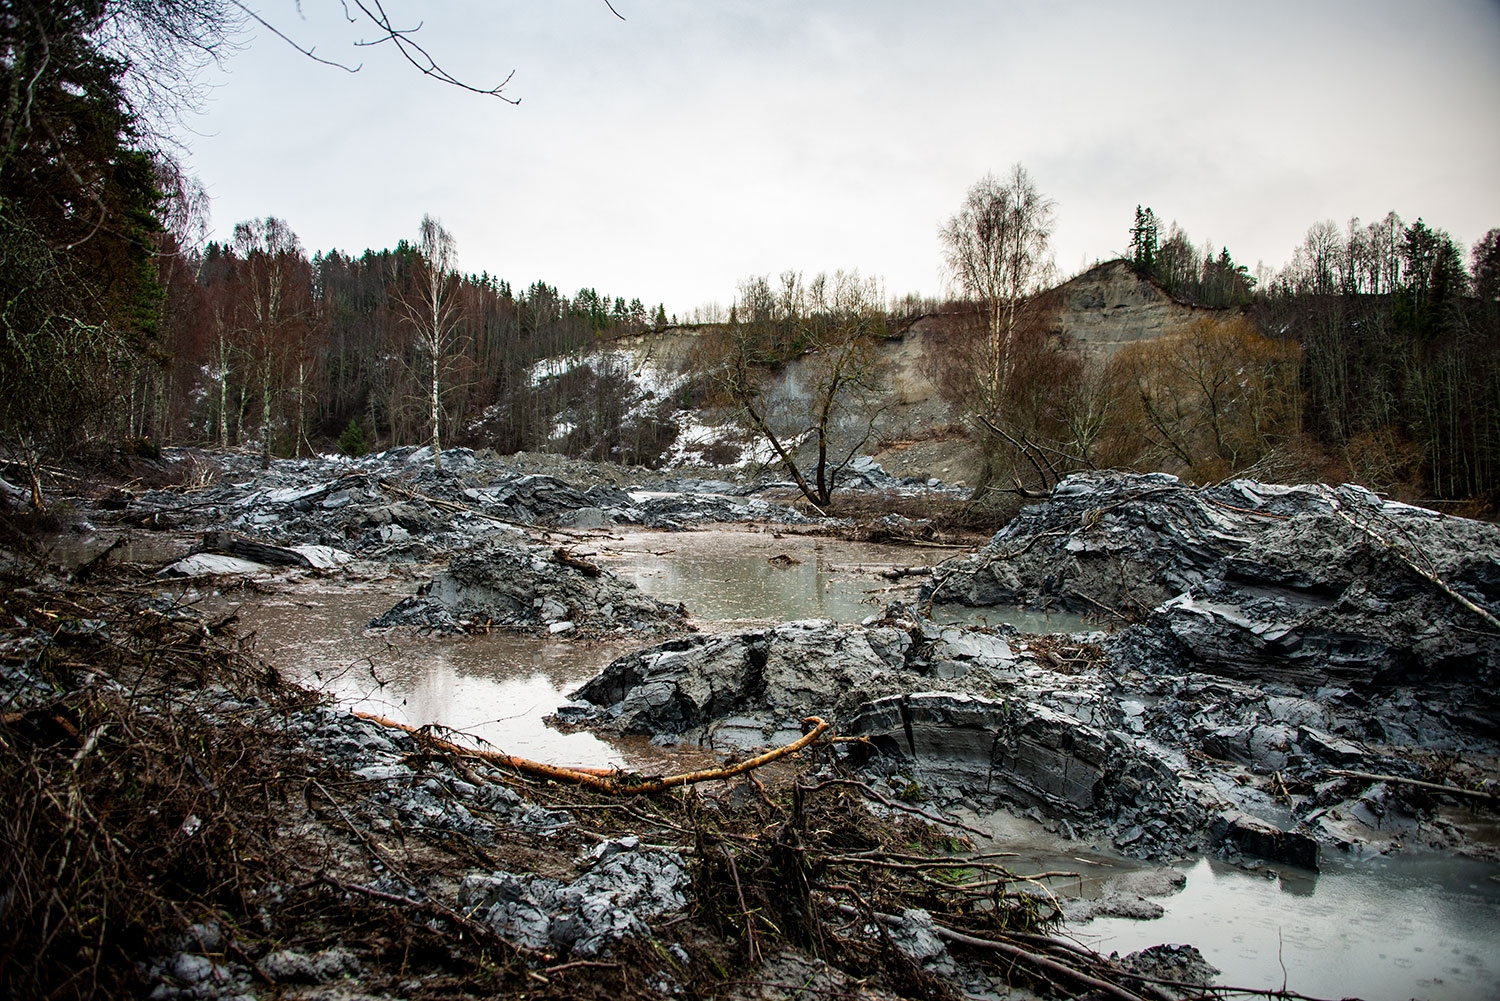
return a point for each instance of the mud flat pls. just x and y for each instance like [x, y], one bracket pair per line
[1299, 677]
[1293, 676]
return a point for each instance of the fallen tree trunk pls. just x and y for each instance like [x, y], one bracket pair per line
[1416, 783]
[613, 782]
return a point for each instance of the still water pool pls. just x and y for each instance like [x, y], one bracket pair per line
[737, 577]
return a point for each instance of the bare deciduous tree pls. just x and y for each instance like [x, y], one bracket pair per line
[433, 311]
[275, 303]
[998, 251]
[815, 419]
[1215, 398]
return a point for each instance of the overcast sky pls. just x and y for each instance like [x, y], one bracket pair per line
[669, 155]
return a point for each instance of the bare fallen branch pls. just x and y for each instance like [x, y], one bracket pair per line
[614, 782]
[1405, 557]
[1417, 783]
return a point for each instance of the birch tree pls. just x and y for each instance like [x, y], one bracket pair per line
[433, 310]
[272, 278]
[998, 251]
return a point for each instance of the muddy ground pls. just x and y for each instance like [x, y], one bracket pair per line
[1286, 672]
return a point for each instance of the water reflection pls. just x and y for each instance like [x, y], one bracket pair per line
[496, 688]
[1388, 928]
[725, 575]
[739, 576]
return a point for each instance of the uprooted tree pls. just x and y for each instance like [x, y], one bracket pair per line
[796, 363]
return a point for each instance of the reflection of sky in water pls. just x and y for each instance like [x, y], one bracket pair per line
[495, 687]
[728, 575]
[723, 575]
[1382, 929]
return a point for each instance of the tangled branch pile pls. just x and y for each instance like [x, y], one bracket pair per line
[149, 774]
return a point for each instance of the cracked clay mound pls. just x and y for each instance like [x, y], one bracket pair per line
[1304, 585]
[531, 589]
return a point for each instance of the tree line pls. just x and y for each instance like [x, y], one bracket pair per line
[113, 332]
[1400, 341]
[272, 347]
[1374, 355]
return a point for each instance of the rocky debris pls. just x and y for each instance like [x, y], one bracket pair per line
[1304, 585]
[1027, 753]
[864, 473]
[974, 716]
[1156, 764]
[223, 554]
[372, 850]
[1256, 837]
[625, 887]
[213, 565]
[702, 684]
[679, 510]
[1036, 752]
[1284, 632]
[1182, 966]
[293, 967]
[916, 935]
[528, 588]
[394, 506]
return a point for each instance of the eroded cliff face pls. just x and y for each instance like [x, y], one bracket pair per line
[916, 433]
[1110, 306]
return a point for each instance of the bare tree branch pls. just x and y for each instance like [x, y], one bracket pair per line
[419, 57]
[309, 53]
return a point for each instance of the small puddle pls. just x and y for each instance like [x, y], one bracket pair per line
[496, 688]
